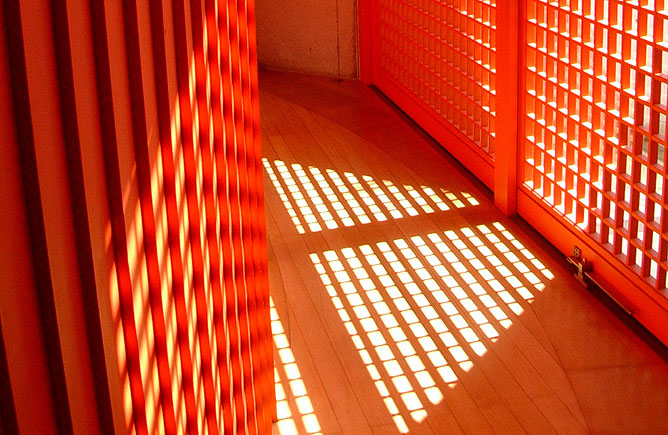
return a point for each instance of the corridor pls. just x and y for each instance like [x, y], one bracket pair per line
[403, 301]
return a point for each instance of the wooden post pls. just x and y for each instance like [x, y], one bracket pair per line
[365, 11]
[507, 99]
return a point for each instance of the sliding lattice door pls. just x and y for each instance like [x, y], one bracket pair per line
[559, 107]
[437, 60]
[594, 138]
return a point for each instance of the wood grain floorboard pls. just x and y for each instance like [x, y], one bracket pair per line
[411, 304]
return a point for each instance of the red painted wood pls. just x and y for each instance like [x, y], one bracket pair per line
[649, 308]
[579, 130]
[593, 145]
[193, 185]
[453, 140]
[260, 235]
[365, 19]
[121, 281]
[21, 321]
[506, 156]
[437, 61]
[168, 199]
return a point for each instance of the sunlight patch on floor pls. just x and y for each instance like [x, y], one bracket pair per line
[294, 409]
[420, 311]
[319, 199]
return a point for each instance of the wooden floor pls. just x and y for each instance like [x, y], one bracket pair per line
[405, 302]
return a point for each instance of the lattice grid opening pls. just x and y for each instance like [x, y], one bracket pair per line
[444, 53]
[595, 123]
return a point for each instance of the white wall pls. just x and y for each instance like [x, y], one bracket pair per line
[314, 36]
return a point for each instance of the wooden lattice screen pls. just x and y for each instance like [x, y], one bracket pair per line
[560, 107]
[131, 154]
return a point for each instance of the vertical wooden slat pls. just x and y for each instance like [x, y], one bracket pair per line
[240, 227]
[8, 422]
[91, 194]
[31, 399]
[268, 401]
[73, 148]
[152, 110]
[144, 181]
[182, 26]
[224, 134]
[13, 27]
[55, 138]
[234, 291]
[168, 182]
[246, 158]
[195, 213]
[136, 415]
[214, 175]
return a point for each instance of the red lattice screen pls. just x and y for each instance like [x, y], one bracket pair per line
[595, 123]
[442, 54]
[558, 106]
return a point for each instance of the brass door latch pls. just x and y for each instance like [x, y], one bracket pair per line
[584, 274]
[582, 266]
